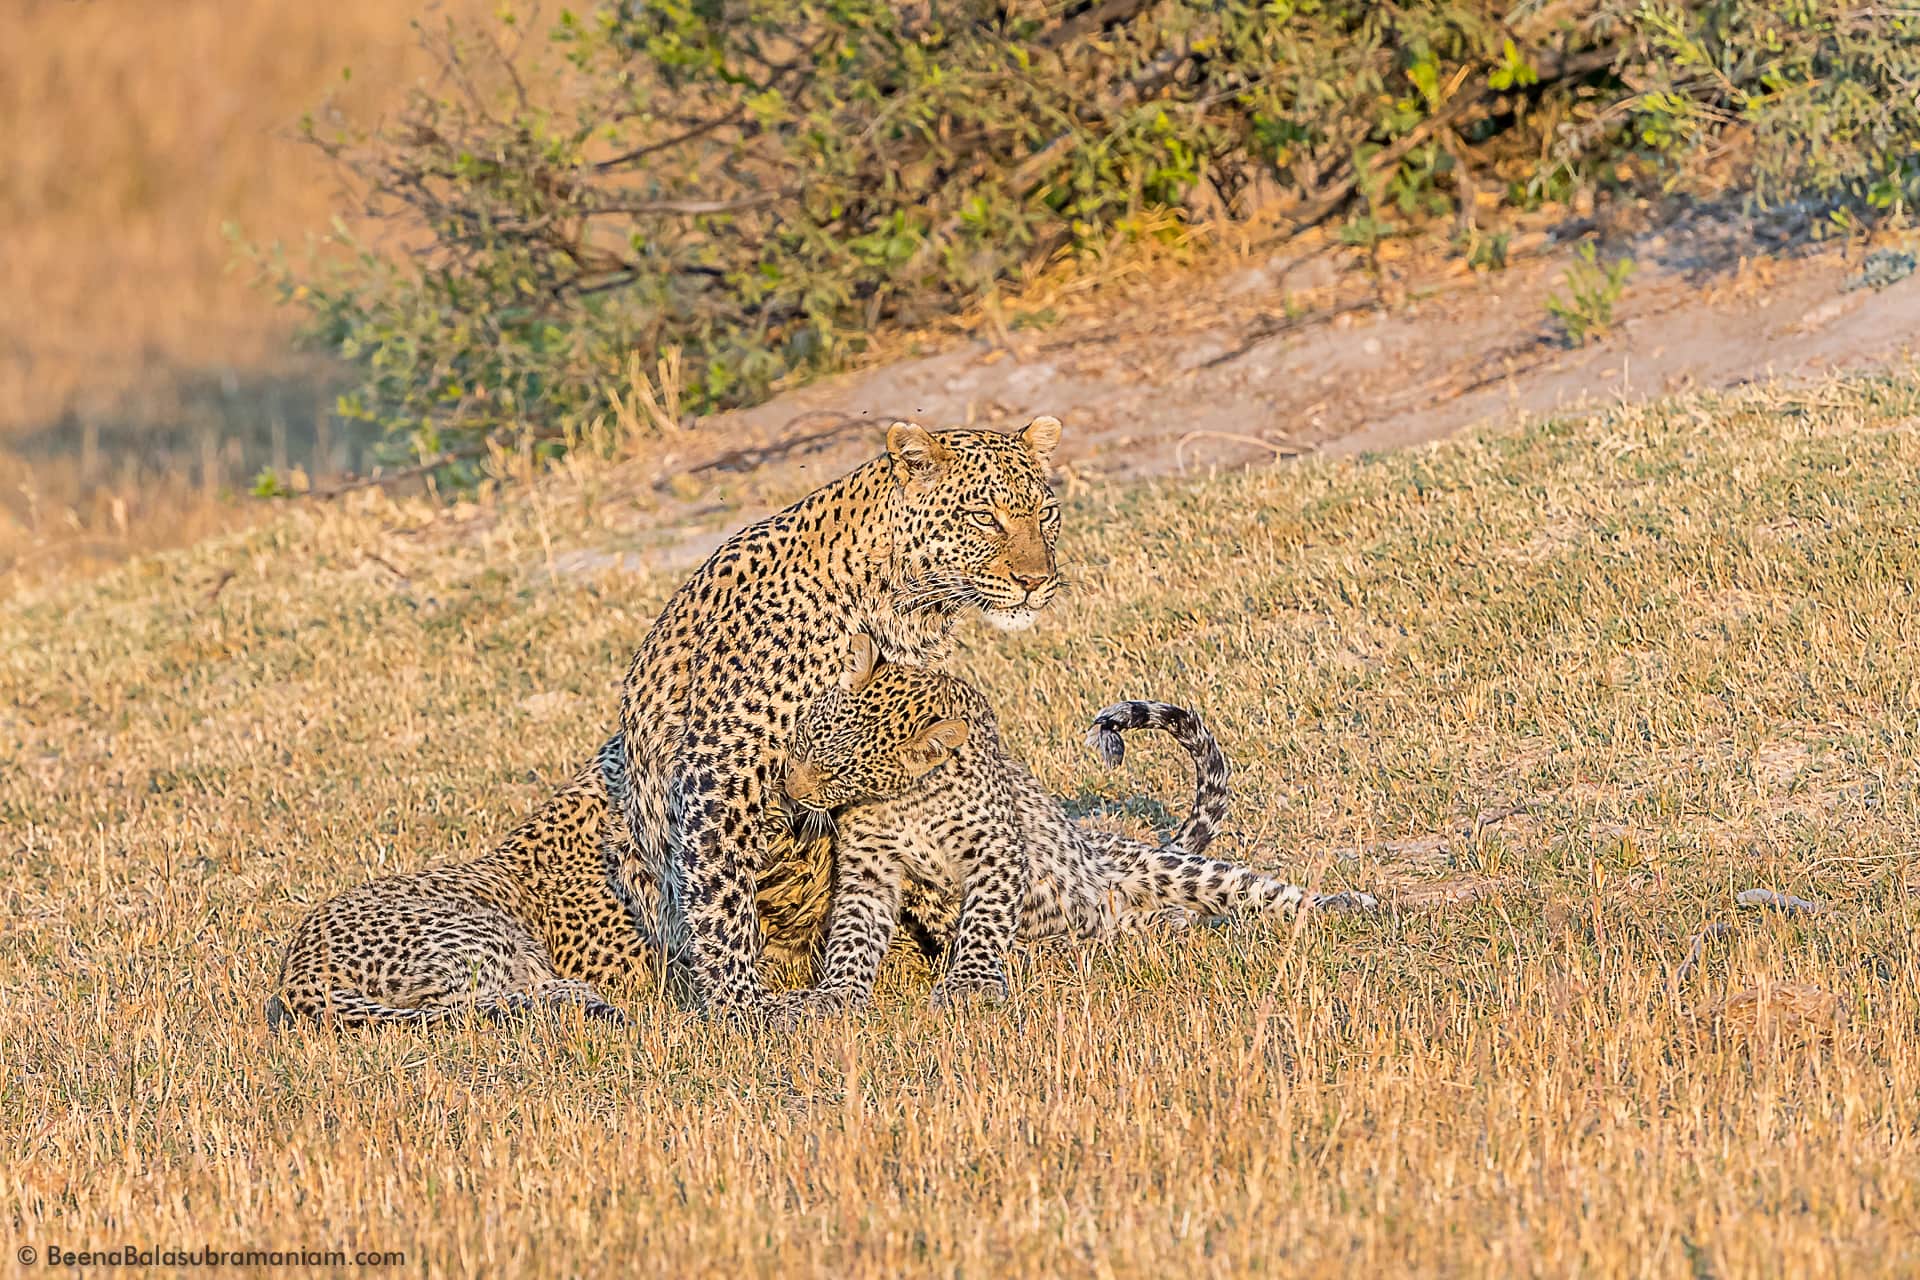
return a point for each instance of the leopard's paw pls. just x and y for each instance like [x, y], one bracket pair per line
[791, 1008]
[966, 992]
[746, 1009]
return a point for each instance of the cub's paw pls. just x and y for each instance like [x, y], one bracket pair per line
[1352, 900]
[789, 1009]
[749, 1013]
[969, 992]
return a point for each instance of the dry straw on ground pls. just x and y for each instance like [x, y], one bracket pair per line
[1606, 628]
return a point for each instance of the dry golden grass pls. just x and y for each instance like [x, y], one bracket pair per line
[129, 134]
[1682, 637]
[140, 373]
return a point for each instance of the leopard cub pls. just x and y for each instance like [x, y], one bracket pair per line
[913, 761]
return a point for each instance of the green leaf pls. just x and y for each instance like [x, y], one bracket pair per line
[1514, 71]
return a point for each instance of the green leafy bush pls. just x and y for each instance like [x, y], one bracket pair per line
[1813, 98]
[760, 185]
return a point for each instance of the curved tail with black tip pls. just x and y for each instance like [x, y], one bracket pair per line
[1210, 793]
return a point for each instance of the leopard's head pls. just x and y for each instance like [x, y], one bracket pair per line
[871, 736]
[974, 523]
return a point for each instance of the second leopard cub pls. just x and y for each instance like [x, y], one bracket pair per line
[916, 757]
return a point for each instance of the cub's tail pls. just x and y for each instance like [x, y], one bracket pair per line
[1210, 793]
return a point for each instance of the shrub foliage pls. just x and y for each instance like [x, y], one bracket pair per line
[759, 185]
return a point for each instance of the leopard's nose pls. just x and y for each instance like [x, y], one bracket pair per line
[1031, 581]
[803, 781]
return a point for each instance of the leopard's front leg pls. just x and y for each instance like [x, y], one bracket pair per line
[997, 875]
[866, 907]
[715, 840]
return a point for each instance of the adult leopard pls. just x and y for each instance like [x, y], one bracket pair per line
[944, 524]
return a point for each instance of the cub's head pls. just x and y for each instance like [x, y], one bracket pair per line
[871, 736]
[974, 523]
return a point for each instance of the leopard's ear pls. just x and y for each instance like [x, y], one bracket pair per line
[1041, 436]
[918, 456]
[862, 658]
[932, 745]
[948, 735]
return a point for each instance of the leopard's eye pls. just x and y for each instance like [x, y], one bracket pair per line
[985, 519]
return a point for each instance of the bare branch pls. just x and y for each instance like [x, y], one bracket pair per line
[690, 208]
[640, 153]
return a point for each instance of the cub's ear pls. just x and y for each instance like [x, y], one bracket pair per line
[949, 735]
[1041, 436]
[931, 747]
[862, 657]
[917, 455]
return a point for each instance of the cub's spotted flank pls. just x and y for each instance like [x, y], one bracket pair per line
[534, 923]
[917, 756]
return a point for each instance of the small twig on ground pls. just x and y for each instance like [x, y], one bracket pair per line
[1278, 450]
[388, 565]
[220, 584]
[1492, 817]
[1092, 20]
